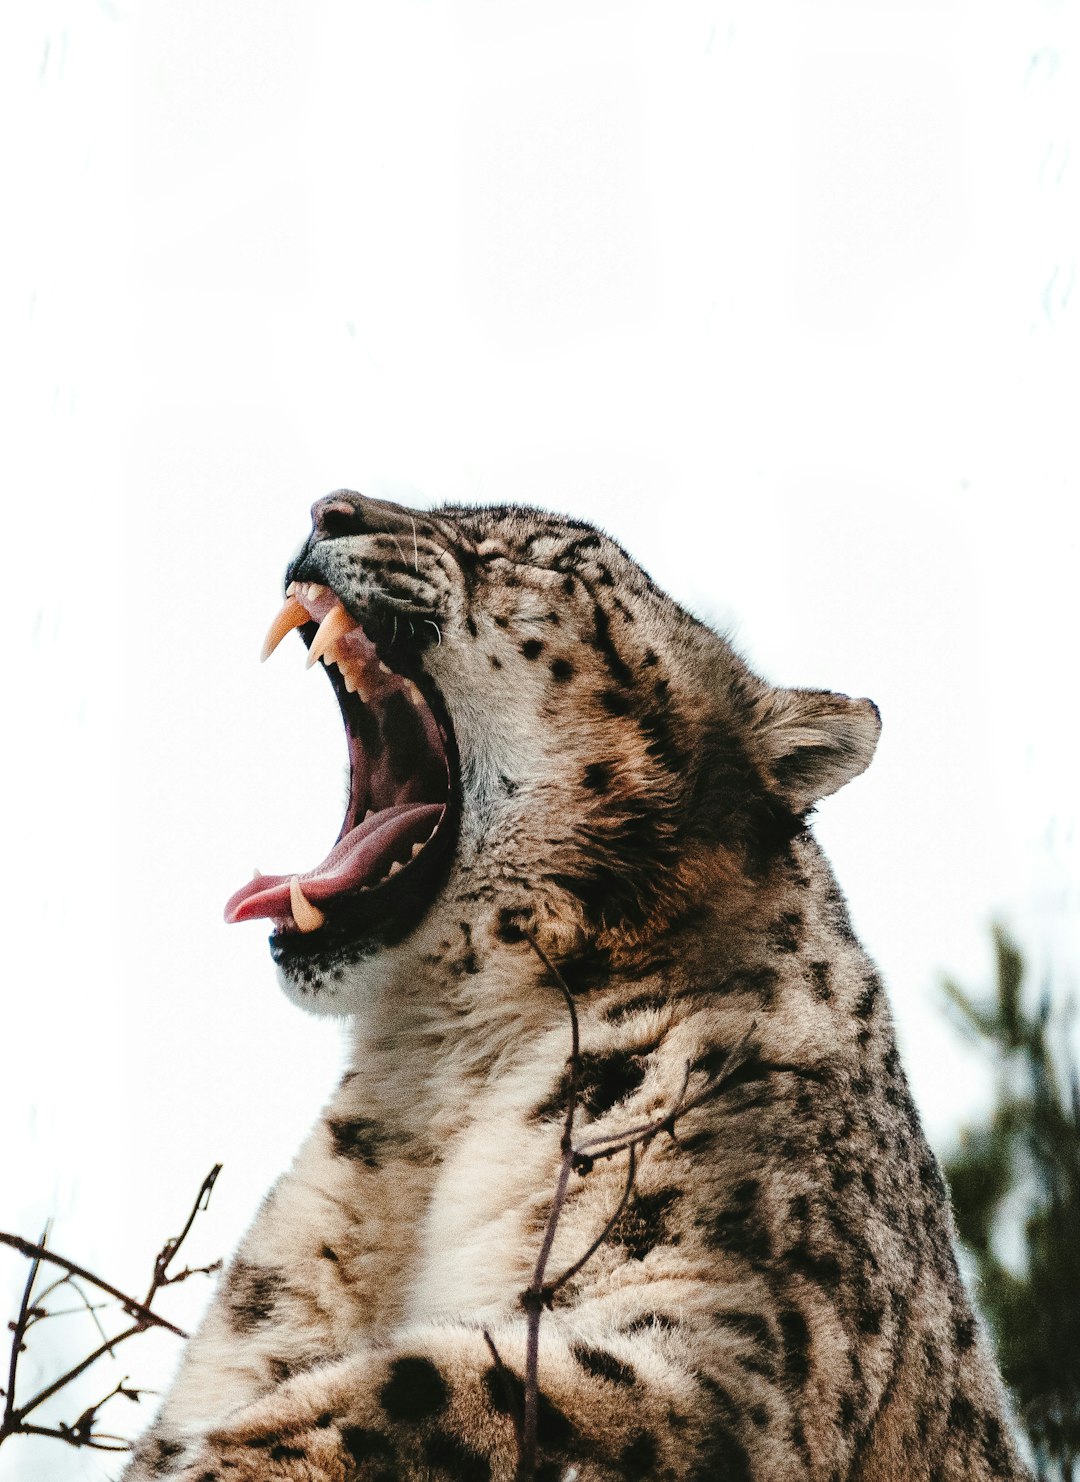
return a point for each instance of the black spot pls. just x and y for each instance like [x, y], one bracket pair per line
[597, 776]
[796, 1336]
[615, 702]
[871, 1316]
[841, 1177]
[280, 1369]
[864, 1004]
[994, 1448]
[357, 1138]
[281, 1452]
[506, 1396]
[962, 1416]
[562, 670]
[650, 660]
[366, 1445]
[737, 1229]
[502, 622]
[638, 1457]
[470, 624]
[652, 1320]
[964, 1332]
[847, 1413]
[618, 1012]
[749, 1325]
[660, 743]
[723, 1456]
[449, 1452]
[252, 1292]
[603, 1365]
[494, 661]
[603, 1081]
[785, 934]
[760, 981]
[414, 1391]
[821, 1266]
[820, 981]
[532, 648]
[642, 1226]
[164, 1451]
[602, 641]
[869, 1183]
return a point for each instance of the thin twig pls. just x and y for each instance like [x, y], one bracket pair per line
[572, 1271]
[506, 1381]
[169, 1249]
[15, 1416]
[130, 1305]
[19, 1327]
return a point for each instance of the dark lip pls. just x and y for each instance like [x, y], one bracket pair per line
[363, 921]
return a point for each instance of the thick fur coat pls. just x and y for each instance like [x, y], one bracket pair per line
[779, 1297]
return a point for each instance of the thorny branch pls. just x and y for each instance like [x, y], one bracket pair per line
[580, 1157]
[32, 1310]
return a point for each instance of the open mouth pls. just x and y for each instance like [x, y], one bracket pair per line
[400, 783]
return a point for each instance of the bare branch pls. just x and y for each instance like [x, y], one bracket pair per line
[130, 1305]
[82, 1432]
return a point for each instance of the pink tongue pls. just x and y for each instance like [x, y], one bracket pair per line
[362, 857]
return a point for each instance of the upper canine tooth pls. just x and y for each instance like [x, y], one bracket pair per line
[306, 916]
[291, 616]
[334, 625]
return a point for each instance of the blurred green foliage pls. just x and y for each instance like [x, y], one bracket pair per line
[1022, 1169]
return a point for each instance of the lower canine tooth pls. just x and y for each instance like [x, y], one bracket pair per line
[306, 916]
[416, 848]
[394, 868]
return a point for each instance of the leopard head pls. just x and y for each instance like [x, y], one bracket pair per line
[539, 740]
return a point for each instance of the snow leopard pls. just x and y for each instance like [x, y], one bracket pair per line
[624, 1179]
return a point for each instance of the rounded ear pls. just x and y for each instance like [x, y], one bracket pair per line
[811, 742]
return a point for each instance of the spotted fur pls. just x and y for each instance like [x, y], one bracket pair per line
[779, 1298]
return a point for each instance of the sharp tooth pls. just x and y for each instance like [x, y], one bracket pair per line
[291, 616]
[413, 693]
[384, 668]
[349, 676]
[306, 916]
[290, 589]
[315, 590]
[393, 868]
[416, 848]
[361, 690]
[334, 626]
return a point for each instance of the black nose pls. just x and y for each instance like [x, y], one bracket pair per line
[346, 513]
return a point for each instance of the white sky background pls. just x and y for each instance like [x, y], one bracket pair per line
[782, 295]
